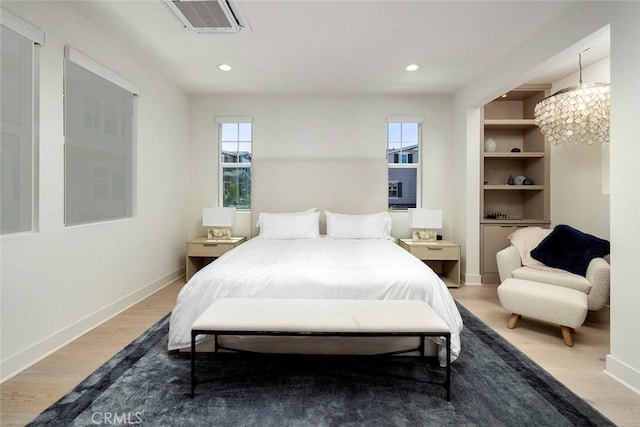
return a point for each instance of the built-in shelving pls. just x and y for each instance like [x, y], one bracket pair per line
[520, 150]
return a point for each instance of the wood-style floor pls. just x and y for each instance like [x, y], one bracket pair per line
[580, 368]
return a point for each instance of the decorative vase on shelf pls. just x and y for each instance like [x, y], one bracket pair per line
[489, 145]
[519, 180]
[510, 181]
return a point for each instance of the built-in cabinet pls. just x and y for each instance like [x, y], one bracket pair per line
[514, 172]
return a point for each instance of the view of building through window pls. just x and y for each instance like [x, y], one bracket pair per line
[403, 148]
[235, 160]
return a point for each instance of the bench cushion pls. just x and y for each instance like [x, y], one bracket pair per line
[320, 315]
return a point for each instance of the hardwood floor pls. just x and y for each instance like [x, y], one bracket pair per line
[35, 389]
[580, 368]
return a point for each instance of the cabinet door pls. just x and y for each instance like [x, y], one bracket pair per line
[494, 239]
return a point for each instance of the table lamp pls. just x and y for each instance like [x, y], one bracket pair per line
[425, 222]
[219, 221]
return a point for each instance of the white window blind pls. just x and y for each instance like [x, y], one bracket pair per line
[100, 129]
[19, 64]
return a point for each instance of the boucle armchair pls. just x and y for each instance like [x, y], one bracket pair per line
[595, 283]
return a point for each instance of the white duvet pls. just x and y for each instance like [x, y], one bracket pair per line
[313, 268]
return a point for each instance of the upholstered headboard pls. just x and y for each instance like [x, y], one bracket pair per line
[344, 186]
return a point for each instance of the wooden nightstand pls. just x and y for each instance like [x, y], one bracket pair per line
[201, 252]
[442, 256]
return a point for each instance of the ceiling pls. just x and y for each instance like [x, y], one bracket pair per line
[335, 47]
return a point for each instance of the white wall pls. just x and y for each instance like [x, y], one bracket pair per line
[580, 173]
[59, 282]
[570, 30]
[321, 127]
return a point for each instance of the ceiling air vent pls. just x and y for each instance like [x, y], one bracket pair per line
[207, 16]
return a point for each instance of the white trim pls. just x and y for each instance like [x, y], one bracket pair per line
[13, 365]
[22, 27]
[84, 61]
[618, 370]
[234, 119]
[405, 119]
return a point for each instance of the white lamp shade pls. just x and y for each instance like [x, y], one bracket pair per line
[218, 217]
[425, 218]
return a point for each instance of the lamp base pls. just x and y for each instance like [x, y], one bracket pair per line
[424, 236]
[218, 233]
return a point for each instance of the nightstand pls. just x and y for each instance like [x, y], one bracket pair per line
[442, 256]
[201, 252]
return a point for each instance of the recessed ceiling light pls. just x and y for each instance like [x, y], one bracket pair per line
[224, 67]
[412, 67]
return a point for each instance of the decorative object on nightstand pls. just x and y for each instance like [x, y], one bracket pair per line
[220, 221]
[442, 256]
[425, 221]
[202, 251]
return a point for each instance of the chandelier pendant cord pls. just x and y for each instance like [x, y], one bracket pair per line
[580, 63]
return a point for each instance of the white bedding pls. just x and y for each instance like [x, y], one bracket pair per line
[313, 268]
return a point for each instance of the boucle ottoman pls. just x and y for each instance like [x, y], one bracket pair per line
[549, 303]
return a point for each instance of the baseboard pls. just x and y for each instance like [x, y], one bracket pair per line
[471, 279]
[20, 361]
[623, 373]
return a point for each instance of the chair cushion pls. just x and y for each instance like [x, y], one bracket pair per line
[557, 277]
[570, 249]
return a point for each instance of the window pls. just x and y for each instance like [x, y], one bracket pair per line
[99, 132]
[403, 155]
[236, 139]
[19, 62]
[395, 189]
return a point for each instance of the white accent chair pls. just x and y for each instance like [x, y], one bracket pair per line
[551, 295]
[595, 284]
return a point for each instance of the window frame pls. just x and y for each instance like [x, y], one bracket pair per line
[222, 165]
[419, 121]
[28, 223]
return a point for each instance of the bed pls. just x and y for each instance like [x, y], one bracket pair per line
[322, 244]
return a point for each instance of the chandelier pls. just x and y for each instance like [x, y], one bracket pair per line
[577, 114]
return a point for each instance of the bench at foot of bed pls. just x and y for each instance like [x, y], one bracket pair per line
[321, 317]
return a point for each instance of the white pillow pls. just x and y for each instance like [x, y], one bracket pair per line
[302, 225]
[525, 239]
[370, 226]
[287, 213]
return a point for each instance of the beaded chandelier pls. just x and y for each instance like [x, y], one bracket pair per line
[577, 114]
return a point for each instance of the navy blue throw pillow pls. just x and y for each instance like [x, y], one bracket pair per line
[570, 249]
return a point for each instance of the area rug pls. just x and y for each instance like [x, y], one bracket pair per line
[493, 384]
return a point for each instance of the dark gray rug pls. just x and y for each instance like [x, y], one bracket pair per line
[494, 384]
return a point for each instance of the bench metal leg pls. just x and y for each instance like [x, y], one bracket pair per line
[448, 380]
[193, 363]
[194, 333]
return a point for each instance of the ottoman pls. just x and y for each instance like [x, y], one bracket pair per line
[549, 303]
